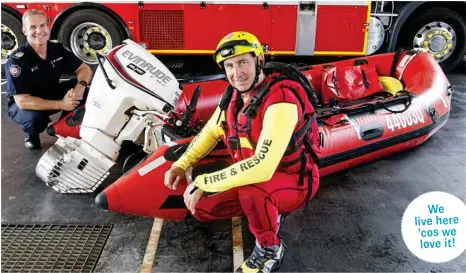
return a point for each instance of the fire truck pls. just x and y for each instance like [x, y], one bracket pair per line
[184, 35]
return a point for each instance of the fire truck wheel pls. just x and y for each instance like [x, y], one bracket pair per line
[12, 36]
[440, 31]
[87, 32]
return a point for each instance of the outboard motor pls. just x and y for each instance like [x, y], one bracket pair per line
[131, 96]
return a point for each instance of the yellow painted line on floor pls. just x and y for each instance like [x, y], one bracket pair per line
[237, 242]
[151, 248]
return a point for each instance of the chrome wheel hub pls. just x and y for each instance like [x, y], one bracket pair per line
[9, 43]
[88, 39]
[438, 38]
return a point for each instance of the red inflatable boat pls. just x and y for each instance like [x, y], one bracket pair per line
[354, 128]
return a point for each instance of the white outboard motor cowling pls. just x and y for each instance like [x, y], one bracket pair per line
[131, 94]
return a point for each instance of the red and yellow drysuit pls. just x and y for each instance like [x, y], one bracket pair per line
[269, 155]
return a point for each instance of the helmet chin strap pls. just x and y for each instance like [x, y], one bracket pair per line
[256, 78]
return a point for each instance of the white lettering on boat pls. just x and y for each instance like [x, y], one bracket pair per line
[405, 119]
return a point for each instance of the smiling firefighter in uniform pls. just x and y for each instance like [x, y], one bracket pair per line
[33, 75]
[267, 121]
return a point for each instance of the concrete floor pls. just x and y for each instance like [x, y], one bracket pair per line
[354, 223]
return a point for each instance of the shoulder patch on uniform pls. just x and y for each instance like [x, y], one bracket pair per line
[55, 41]
[18, 55]
[15, 70]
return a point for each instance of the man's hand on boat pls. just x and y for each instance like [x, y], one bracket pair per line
[173, 177]
[192, 195]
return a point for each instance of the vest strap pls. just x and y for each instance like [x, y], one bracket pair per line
[290, 163]
[256, 100]
[226, 97]
[310, 189]
[308, 144]
[306, 128]
[234, 143]
[302, 169]
[248, 125]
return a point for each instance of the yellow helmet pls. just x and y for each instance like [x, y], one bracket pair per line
[237, 43]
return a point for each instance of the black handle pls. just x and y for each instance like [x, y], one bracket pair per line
[195, 98]
[371, 131]
[361, 62]
[109, 82]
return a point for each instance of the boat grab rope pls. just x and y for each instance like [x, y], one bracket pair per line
[402, 96]
[408, 97]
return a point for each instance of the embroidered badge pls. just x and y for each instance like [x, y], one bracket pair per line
[18, 55]
[15, 70]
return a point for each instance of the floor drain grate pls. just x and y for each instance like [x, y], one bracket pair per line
[57, 248]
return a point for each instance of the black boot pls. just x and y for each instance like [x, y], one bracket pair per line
[264, 259]
[32, 142]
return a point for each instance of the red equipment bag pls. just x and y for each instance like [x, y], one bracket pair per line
[348, 83]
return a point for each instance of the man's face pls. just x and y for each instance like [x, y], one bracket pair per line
[241, 71]
[36, 30]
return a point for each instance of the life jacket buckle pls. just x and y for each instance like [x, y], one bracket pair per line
[250, 108]
[233, 142]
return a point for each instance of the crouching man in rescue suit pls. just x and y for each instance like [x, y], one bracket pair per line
[273, 173]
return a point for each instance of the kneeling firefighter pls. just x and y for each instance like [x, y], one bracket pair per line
[266, 119]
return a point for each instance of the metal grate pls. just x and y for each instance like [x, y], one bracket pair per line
[57, 248]
[162, 29]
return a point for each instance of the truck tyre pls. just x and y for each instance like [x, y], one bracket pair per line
[89, 31]
[441, 31]
[12, 36]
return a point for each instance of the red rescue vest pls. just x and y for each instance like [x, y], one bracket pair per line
[243, 124]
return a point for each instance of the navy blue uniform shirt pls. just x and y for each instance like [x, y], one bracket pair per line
[27, 73]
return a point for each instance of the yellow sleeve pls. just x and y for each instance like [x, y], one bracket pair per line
[203, 143]
[279, 123]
